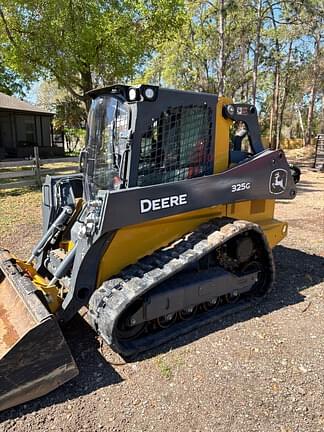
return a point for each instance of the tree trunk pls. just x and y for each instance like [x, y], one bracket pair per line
[274, 137]
[285, 91]
[257, 52]
[310, 113]
[86, 86]
[301, 123]
[242, 58]
[221, 31]
[271, 125]
[276, 107]
[322, 117]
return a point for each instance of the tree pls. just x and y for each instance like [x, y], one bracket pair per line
[83, 43]
[267, 52]
[70, 113]
[313, 86]
[256, 58]
[206, 54]
[10, 82]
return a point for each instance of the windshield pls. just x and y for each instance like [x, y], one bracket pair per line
[107, 139]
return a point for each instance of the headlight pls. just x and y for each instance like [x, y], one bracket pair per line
[230, 109]
[149, 93]
[132, 94]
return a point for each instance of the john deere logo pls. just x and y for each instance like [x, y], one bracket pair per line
[278, 181]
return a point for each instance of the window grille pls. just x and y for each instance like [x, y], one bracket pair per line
[177, 146]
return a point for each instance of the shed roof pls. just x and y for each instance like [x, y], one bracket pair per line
[14, 104]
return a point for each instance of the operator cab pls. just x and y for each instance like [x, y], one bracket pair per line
[146, 135]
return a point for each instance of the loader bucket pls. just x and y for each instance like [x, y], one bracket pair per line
[34, 356]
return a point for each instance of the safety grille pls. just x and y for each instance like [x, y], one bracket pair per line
[177, 146]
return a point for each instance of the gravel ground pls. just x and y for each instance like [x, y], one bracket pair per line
[261, 370]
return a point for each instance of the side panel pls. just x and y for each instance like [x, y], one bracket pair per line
[265, 176]
[262, 213]
[135, 241]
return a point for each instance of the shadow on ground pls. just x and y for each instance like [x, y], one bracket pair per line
[307, 186]
[304, 186]
[296, 271]
[17, 191]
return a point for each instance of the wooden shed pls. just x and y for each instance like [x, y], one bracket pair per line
[23, 126]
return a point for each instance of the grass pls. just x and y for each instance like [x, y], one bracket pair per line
[164, 367]
[19, 207]
[169, 363]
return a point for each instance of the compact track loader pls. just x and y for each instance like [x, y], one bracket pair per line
[167, 227]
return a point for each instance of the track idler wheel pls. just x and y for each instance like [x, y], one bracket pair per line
[188, 313]
[126, 328]
[166, 320]
[261, 284]
[207, 306]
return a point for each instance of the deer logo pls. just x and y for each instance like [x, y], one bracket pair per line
[278, 181]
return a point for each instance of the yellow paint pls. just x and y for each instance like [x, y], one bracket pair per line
[260, 212]
[274, 230]
[221, 137]
[67, 245]
[136, 241]
[51, 293]
[247, 210]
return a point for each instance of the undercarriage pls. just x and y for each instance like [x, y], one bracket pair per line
[216, 270]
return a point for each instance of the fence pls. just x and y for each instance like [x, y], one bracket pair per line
[319, 153]
[26, 173]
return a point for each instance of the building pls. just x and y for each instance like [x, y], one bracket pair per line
[23, 126]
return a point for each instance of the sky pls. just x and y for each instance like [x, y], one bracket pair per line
[31, 94]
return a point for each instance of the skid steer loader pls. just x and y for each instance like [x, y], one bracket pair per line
[166, 228]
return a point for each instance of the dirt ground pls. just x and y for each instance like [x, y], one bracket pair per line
[261, 370]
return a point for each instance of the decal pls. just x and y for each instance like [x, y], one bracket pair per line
[278, 181]
[238, 187]
[149, 205]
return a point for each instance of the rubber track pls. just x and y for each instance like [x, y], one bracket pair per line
[115, 295]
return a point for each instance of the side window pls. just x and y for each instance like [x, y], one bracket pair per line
[239, 137]
[177, 146]
[240, 147]
[122, 120]
[109, 121]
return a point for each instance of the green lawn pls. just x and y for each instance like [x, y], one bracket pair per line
[19, 207]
